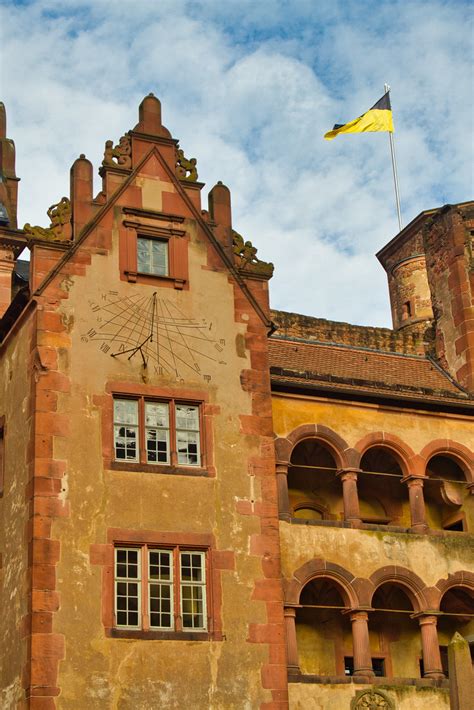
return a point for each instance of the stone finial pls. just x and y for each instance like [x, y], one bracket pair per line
[149, 118]
[185, 168]
[220, 204]
[461, 676]
[119, 156]
[60, 228]
[245, 255]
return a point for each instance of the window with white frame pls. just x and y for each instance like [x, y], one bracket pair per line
[160, 589]
[152, 256]
[157, 432]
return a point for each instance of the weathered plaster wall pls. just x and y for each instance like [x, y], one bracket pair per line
[129, 673]
[15, 406]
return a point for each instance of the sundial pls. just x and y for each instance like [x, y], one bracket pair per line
[155, 334]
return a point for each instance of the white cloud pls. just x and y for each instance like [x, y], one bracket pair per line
[249, 88]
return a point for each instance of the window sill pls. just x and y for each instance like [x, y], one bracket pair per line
[361, 680]
[141, 635]
[141, 277]
[158, 468]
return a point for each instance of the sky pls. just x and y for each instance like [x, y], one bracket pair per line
[250, 88]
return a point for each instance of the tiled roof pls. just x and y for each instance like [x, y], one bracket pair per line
[356, 368]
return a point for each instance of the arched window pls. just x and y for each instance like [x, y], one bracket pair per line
[394, 635]
[323, 633]
[314, 491]
[457, 607]
[382, 499]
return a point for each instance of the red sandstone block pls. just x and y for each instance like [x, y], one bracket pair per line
[48, 357]
[257, 426]
[268, 590]
[55, 381]
[223, 559]
[274, 705]
[266, 509]
[263, 545]
[274, 677]
[45, 646]
[44, 670]
[266, 633]
[43, 446]
[45, 551]
[46, 401]
[100, 554]
[50, 469]
[43, 577]
[274, 613]
[41, 622]
[38, 526]
[52, 423]
[271, 568]
[51, 507]
[261, 405]
[259, 360]
[277, 653]
[48, 320]
[46, 486]
[280, 696]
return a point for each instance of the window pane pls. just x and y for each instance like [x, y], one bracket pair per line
[157, 432]
[152, 256]
[187, 417]
[127, 587]
[193, 590]
[160, 588]
[156, 414]
[126, 447]
[125, 411]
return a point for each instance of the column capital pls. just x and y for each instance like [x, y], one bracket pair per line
[362, 611]
[282, 467]
[290, 611]
[426, 617]
[349, 472]
[413, 479]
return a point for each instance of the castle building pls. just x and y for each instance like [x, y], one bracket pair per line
[207, 503]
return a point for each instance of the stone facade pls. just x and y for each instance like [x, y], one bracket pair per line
[191, 517]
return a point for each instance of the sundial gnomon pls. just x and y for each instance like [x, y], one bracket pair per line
[154, 332]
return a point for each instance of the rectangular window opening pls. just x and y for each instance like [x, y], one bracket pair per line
[152, 256]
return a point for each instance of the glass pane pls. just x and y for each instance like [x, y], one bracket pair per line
[152, 256]
[125, 411]
[187, 417]
[156, 414]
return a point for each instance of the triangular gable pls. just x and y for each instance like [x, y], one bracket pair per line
[154, 153]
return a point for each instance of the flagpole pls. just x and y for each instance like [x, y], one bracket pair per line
[394, 168]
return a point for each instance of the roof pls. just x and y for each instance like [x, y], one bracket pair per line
[350, 368]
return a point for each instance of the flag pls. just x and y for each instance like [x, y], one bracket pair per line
[378, 118]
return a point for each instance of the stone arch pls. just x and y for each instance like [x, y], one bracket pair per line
[451, 449]
[411, 583]
[397, 447]
[462, 578]
[325, 435]
[320, 568]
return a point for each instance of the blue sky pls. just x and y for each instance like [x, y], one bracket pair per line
[249, 89]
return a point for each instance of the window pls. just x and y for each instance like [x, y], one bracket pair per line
[160, 589]
[157, 432]
[154, 245]
[152, 256]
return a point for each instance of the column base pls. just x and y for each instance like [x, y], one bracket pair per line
[293, 670]
[419, 528]
[435, 675]
[364, 673]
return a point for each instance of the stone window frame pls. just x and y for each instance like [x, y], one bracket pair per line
[176, 584]
[172, 429]
[127, 390]
[216, 560]
[177, 246]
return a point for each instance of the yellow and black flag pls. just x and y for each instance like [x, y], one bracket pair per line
[378, 118]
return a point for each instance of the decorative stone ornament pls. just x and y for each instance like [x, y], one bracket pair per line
[119, 156]
[185, 169]
[372, 700]
[246, 257]
[59, 230]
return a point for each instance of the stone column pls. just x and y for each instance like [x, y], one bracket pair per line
[417, 503]
[291, 643]
[429, 642]
[350, 496]
[361, 644]
[282, 486]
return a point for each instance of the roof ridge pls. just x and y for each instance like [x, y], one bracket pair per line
[349, 347]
